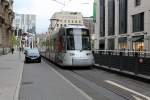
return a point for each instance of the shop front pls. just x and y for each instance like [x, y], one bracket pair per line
[138, 43]
[122, 43]
[102, 45]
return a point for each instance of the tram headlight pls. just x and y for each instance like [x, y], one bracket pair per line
[72, 54]
[89, 54]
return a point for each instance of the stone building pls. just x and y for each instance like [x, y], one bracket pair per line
[6, 29]
[25, 29]
[60, 19]
[88, 22]
[122, 24]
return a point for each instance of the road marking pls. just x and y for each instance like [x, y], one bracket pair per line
[137, 98]
[69, 82]
[127, 89]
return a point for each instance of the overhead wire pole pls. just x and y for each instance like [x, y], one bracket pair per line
[64, 4]
[60, 2]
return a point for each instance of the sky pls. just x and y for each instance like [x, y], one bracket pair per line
[44, 9]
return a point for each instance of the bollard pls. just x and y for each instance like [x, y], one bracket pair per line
[140, 61]
[136, 54]
[120, 53]
[136, 66]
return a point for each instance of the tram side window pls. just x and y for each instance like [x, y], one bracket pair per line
[70, 43]
[69, 31]
[70, 39]
[63, 39]
[61, 44]
[64, 43]
[54, 45]
[85, 32]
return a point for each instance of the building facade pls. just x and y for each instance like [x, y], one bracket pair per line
[25, 29]
[88, 22]
[122, 24]
[25, 23]
[6, 29]
[64, 18]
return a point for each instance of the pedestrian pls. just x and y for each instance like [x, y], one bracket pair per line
[20, 49]
[12, 50]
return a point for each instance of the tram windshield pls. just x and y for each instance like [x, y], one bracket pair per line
[78, 39]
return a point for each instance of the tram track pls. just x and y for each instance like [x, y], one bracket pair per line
[90, 78]
[128, 95]
[101, 86]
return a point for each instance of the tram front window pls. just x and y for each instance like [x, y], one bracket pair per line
[70, 43]
[78, 39]
[86, 43]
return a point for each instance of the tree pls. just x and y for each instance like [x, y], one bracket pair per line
[13, 40]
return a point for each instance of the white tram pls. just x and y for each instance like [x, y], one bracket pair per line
[70, 46]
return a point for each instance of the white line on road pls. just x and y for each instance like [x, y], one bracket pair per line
[83, 93]
[127, 89]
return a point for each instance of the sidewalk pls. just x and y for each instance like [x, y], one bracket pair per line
[11, 68]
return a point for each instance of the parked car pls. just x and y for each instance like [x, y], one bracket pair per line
[32, 55]
[26, 48]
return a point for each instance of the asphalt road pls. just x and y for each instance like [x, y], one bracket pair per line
[41, 82]
[95, 83]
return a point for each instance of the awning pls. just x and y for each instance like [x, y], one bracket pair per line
[138, 38]
[122, 39]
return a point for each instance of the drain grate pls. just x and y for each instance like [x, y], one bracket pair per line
[27, 83]
[5, 68]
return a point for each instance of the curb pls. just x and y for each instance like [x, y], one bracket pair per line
[128, 74]
[20, 73]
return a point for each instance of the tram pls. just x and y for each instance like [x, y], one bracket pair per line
[70, 46]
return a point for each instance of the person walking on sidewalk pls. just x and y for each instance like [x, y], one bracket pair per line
[20, 49]
[12, 50]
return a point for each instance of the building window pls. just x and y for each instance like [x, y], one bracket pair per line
[138, 22]
[123, 16]
[57, 25]
[122, 43]
[68, 21]
[138, 43]
[60, 25]
[72, 21]
[111, 17]
[111, 44]
[102, 45]
[79, 21]
[102, 18]
[137, 2]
